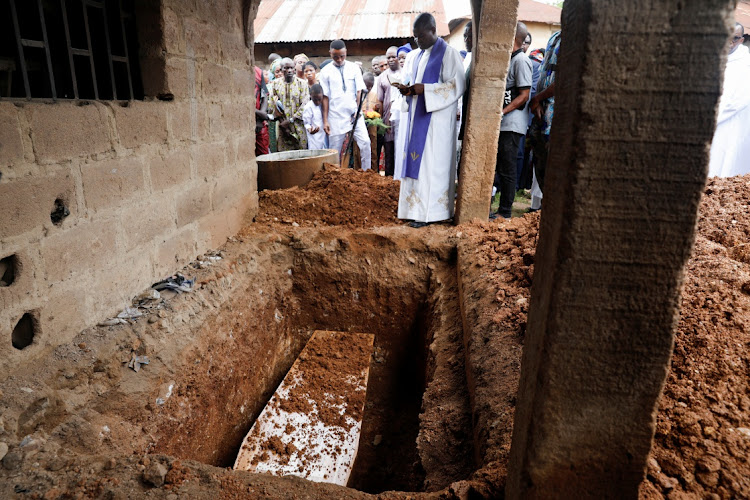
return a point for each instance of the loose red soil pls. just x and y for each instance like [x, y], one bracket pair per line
[702, 443]
[336, 197]
[702, 440]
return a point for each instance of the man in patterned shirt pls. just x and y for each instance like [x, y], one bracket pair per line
[288, 98]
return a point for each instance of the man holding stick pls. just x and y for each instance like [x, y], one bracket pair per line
[342, 88]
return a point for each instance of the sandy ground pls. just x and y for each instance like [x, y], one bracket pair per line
[81, 424]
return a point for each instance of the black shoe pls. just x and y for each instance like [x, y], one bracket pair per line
[493, 215]
[416, 224]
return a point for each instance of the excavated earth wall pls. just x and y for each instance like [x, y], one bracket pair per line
[448, 308]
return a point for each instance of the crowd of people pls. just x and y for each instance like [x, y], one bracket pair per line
[302, 106]
[418, 96]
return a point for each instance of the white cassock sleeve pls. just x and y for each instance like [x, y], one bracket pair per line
[439, 96]
[735, 95]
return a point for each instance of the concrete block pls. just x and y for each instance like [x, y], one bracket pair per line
[146, 222]
[170, 170]
[11, 144]
[193, 204]
[246, 149]
[227, 190]
[209, 159]
[173, 34]
[89, 245]
[217, 80]
[117, 285]
[202, 40]
[233, 50]
[64, 313]
[216, 13]
[180, 124]
[215, 120]
[243, 83]
[141, 123]
[110, 182]
[214, 229]
[26, 203]
[180, 77]
[239, 116]
[62, 130]
[187, 121]
[175, 251]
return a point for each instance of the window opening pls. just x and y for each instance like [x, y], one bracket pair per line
[69, 49]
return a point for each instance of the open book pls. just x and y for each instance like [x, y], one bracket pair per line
[394, 83]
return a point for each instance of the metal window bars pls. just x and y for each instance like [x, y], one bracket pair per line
[91, 51]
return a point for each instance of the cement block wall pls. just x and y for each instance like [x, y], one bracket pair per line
[149, 184]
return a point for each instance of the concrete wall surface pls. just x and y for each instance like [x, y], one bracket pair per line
[148, 184]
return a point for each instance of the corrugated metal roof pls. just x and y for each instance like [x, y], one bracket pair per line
[316, 20]
[530, 11]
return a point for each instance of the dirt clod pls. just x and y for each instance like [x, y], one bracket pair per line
[13, 460]
[155, 474]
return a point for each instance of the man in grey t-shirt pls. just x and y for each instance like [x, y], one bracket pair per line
[515, 122]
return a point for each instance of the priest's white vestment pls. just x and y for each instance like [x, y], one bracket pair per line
[730, 149]
[431, 196]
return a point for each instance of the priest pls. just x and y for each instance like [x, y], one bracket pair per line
[433, 85]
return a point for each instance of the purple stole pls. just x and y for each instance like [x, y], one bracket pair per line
[416, 134]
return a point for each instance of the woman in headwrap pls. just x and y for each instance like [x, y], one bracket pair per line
[276, 69]
[275, 73]
[402, 51]
[299, 65]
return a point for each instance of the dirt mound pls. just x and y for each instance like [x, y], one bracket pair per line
[703, 426]
[335, 197]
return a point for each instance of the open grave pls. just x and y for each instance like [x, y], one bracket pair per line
[334, 283]
[447, 309]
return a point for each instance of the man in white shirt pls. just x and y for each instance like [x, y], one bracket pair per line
[342, 89]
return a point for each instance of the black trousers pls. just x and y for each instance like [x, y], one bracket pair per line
[390, 158]
[505, 170]
[380, 144]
